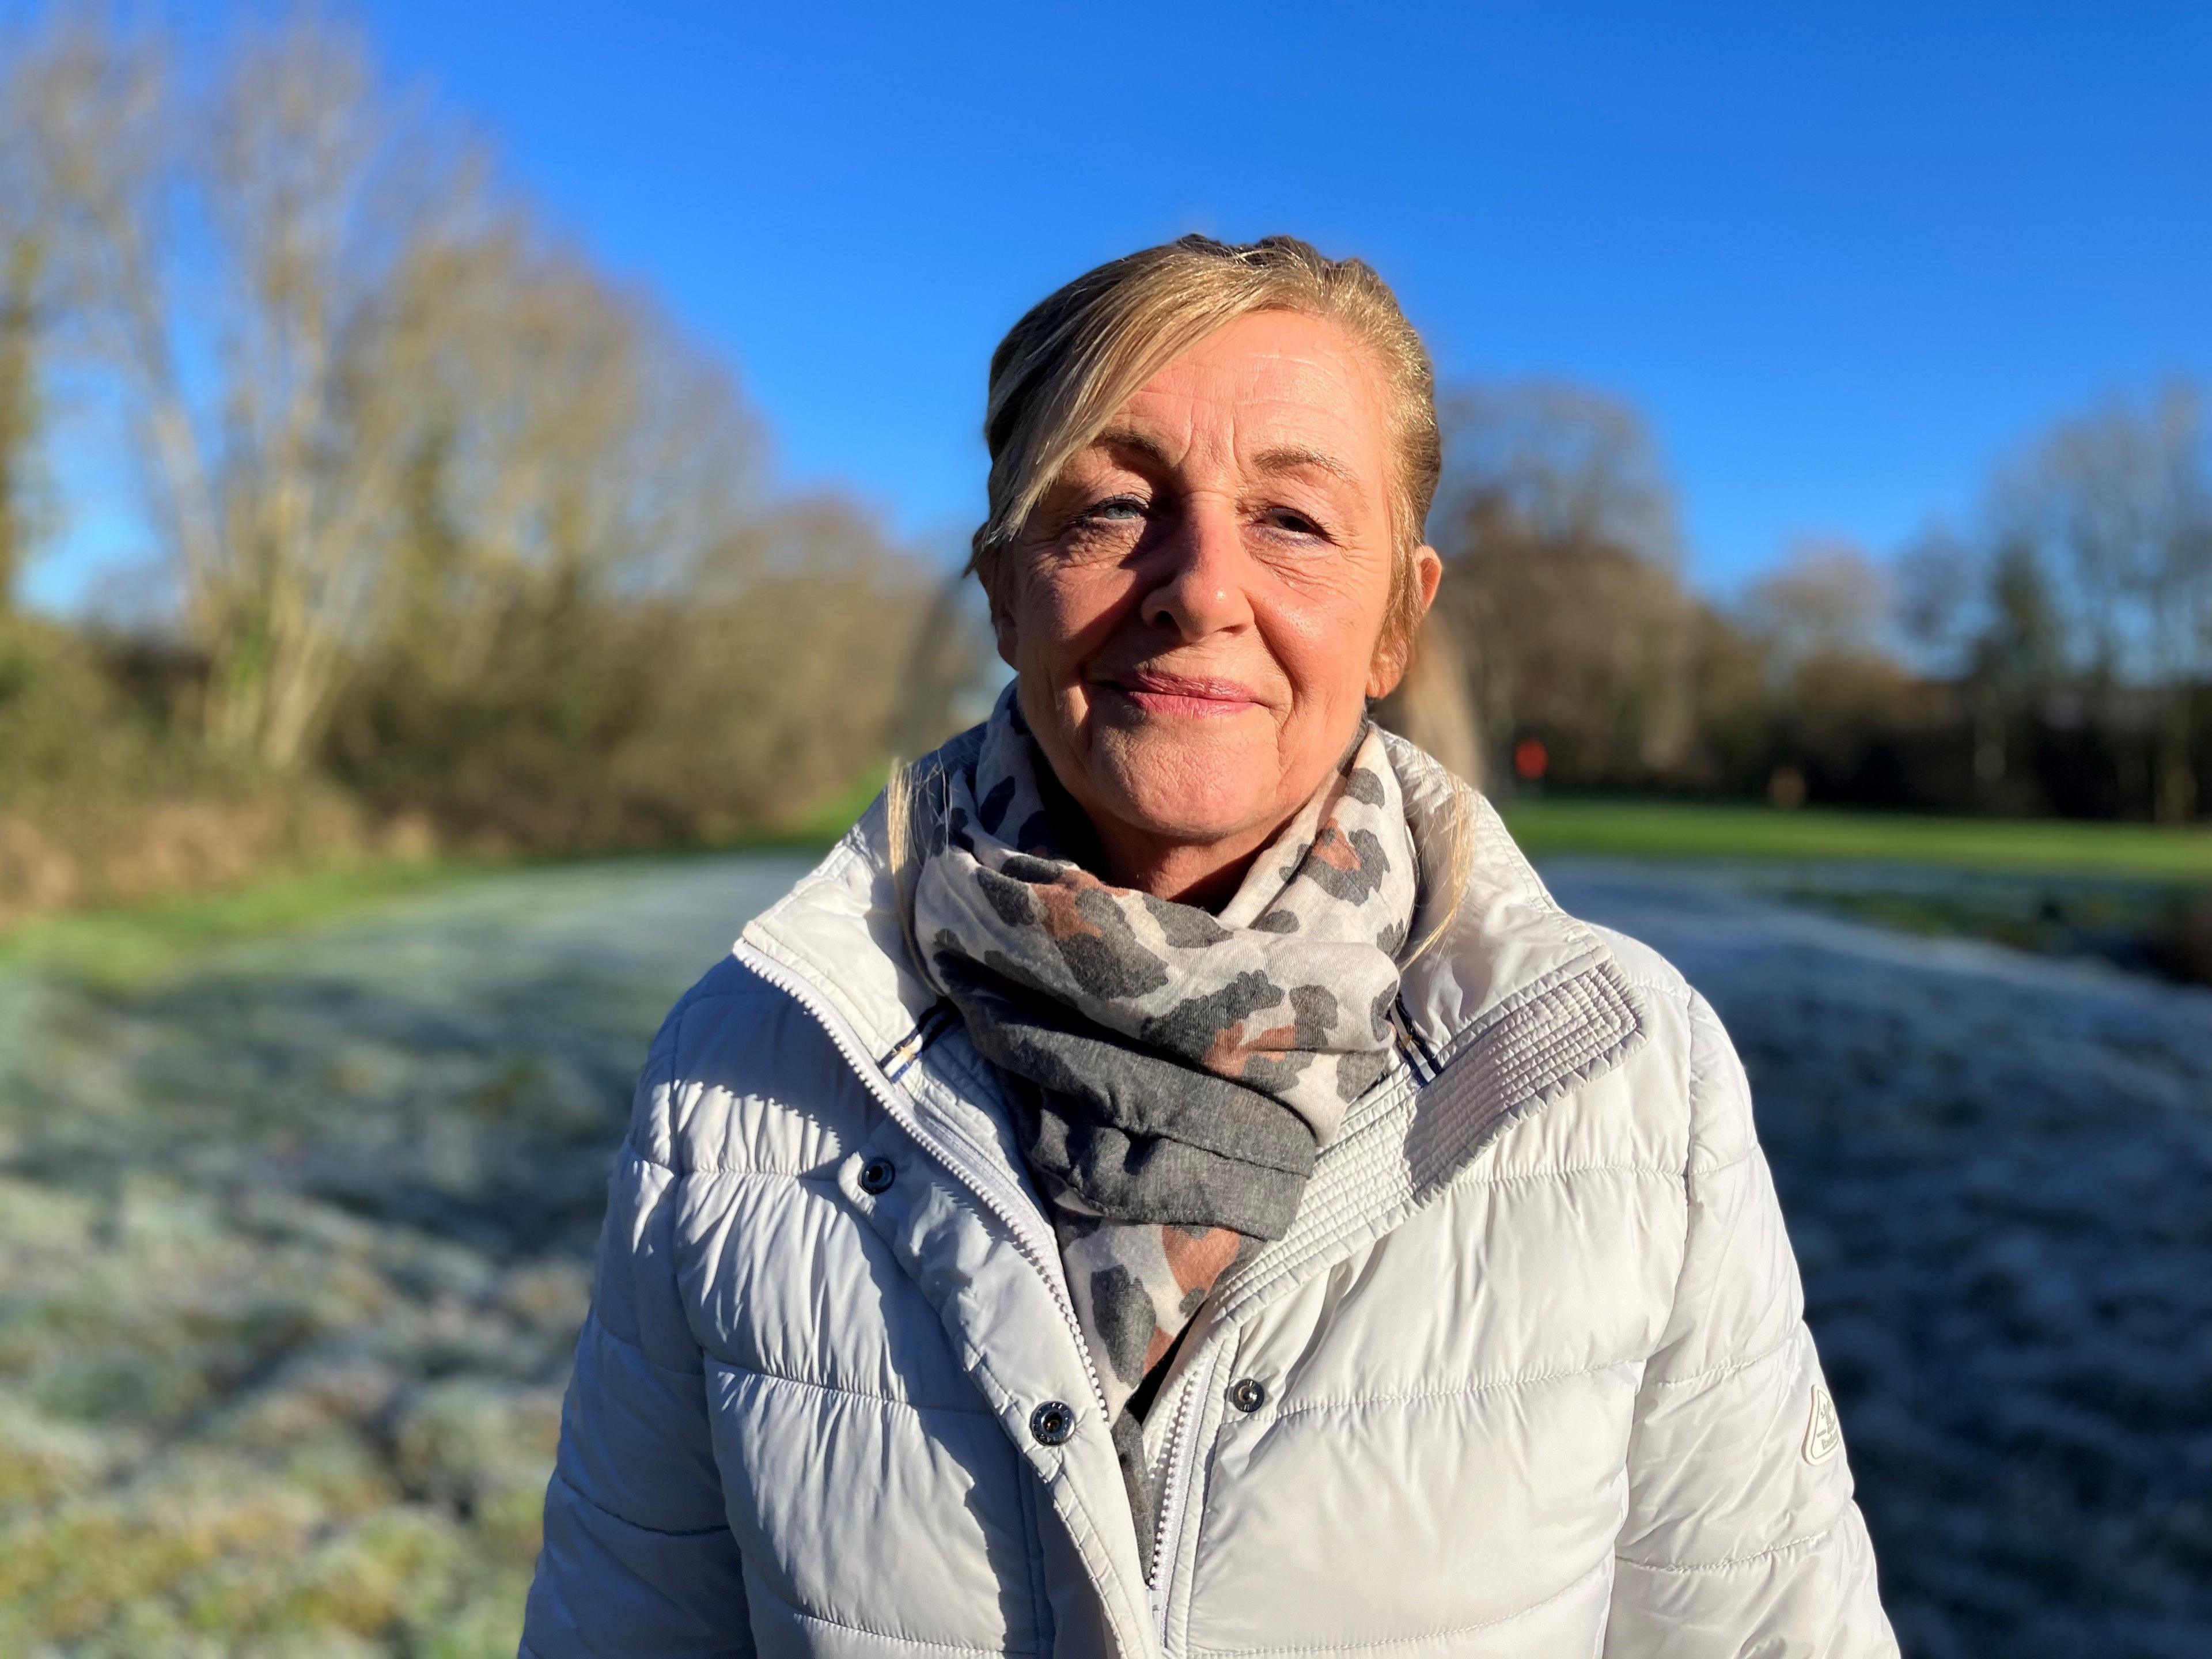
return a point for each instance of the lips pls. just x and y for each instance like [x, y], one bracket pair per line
[1185, 695]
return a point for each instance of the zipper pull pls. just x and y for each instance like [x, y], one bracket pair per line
[1409, 1048]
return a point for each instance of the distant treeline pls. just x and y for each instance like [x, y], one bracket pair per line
[2052, 657]
[451, 540]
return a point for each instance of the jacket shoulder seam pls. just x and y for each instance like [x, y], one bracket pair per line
[1468, 1390]
[801, 1177]
[797, 1177]
[1715, 1373]
[1788, 1547]
[1554, 1172]
[585, 1499]
[1699, 1171]
[675, 1081]
[1673, 986]
[638, 1348]
[718, 1363]
[702, 994]
[810, 1616]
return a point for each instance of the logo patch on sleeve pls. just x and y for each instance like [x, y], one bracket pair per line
[1824, 1435]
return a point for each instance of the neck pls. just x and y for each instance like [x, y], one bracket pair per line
[1202, 873]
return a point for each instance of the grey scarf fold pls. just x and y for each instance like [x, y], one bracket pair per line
[1177, 1071]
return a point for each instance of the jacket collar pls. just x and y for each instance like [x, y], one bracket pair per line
[1512, 1004]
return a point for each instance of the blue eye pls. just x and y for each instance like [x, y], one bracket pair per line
[1117, 506]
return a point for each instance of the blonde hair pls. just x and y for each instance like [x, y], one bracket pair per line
[1084, 350]
[1080, 352]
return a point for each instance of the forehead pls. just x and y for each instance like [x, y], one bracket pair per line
[1262, 380]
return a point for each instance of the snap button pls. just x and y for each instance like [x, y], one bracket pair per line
[1052, 1423]
[876, 1175]
[1248, 1395]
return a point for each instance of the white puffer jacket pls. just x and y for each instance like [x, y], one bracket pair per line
[1529, 1374]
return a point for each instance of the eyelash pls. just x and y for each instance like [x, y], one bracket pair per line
[1284, 517]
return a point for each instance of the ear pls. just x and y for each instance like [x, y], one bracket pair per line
[1003, 633]
[1393, 656]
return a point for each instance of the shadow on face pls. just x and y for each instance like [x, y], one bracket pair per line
[1196, 608]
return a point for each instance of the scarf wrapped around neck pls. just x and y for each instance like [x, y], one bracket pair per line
[1175, 1071]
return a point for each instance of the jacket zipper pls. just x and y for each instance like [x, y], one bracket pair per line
[1167, 1529]
[1012, 1208]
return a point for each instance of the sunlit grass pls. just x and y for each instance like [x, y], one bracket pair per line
[122, 945]
[132, 944]
[1643, 827]
[127, 944]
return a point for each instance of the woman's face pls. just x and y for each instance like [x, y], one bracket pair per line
[1194, 609]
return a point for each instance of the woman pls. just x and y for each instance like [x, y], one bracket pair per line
[1172, 1181]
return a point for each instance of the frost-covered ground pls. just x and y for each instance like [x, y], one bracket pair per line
[293, 1251]
[292, 1248]
[1997, 1172]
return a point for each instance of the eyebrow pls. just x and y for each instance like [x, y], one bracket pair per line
[1123, 437]
[1282, 458]
[1290, 457]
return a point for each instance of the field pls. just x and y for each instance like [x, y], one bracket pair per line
[293, 1237]
[1665, 828]
[298, 1192]
[1993, 1165]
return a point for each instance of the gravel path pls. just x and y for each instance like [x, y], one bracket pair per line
[293, 1251]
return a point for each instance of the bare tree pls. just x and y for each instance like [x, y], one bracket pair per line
[1562, 464]
[1558, 532]
[31, 294]
[1986, 616]
[447, 510]
[562, 440]
[954, 671]
[1820, 623]
[107, 135]
[1827, 599]
[240, 253]
[2117, 507]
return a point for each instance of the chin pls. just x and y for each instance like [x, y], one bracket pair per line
[1187, 786]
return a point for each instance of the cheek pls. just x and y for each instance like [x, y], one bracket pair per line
[1325, 635]
[1066, 612]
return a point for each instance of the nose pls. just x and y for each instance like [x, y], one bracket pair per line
[1198, 572]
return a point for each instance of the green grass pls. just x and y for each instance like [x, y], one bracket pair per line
[1730, 829]
[127, 944]
[123, 946]
[834, 816]
[131, 945]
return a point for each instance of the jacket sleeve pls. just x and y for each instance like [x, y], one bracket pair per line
[1741, 1538]
[638, 1561]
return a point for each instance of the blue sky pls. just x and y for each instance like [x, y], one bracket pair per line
[1843, 258]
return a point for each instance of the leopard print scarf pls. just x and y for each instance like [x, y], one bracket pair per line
[1176, 1070]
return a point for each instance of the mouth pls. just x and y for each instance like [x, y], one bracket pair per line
[1179, 696]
